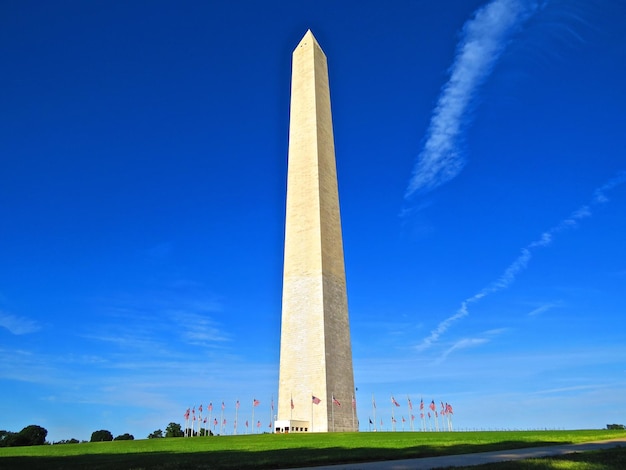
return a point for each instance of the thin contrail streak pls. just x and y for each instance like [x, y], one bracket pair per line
[521, 262]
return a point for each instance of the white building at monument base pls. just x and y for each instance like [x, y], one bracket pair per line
[283, 426]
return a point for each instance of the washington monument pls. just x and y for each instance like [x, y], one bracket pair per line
[316, 382]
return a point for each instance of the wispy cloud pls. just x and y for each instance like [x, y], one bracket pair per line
[521, 262]
[542, 309]
[484, 38]
[18, 325]
[466, 343]
[199, 329]
[574, 388]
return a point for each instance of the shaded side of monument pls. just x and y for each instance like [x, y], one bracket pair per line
[315, 349]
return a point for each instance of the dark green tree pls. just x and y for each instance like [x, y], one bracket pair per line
[174, 430]
[615, 426]
[32, 435]
[125, 437]
[156, 434]
[67, 441]
[6, 438]
[102, 435]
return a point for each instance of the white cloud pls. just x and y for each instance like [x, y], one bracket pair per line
[18, 325]
[521, 262]
[484, 38]
[542, 309]
[466, 343]
[600, 193]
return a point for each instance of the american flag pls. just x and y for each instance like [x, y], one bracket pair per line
[393, 400]
[335, 401]
[316, 400]
[255, 402]
[292, 403]
[432, 405]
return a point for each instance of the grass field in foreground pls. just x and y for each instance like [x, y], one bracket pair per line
[279, 451]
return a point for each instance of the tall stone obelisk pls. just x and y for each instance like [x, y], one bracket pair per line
[315, 349]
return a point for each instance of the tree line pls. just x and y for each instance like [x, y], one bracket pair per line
[174, 430]
[34, 435]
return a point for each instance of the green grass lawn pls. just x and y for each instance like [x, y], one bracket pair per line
[279, 451]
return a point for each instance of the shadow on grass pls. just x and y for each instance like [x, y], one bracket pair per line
[607, 459]
[244, 460]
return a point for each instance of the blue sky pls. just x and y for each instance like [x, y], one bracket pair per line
[143, 158]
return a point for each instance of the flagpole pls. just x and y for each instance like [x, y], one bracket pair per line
[332, 410]
[374, 410]
[210, 415]
[311, 412]
[410, 411]
[272, 414]
[222, 419]
[200, 419]
[252, 413]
